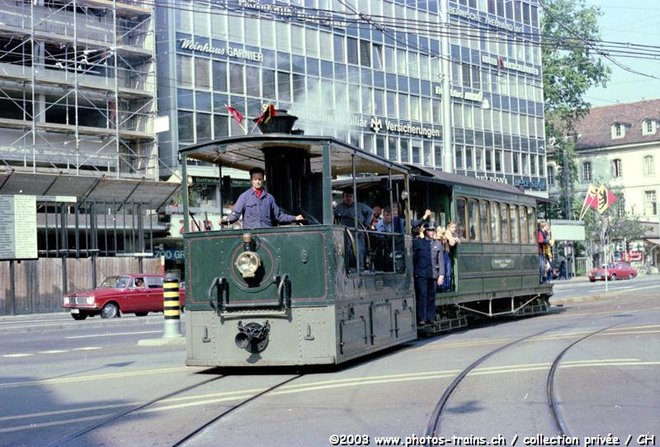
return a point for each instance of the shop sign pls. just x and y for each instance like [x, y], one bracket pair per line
[377, 125]
[493, 178]
[170, 254]
[491, 21]
[308, 15]
[238, 53]
[531, 184]
[503, 63]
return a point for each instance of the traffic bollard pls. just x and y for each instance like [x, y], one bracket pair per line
[171, 307]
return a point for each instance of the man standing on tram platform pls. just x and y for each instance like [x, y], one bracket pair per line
[257, 206]
[345, 213]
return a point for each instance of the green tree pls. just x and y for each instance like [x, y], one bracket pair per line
[571, 66]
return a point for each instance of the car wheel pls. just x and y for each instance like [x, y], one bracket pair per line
[592, 280]
[613, 277]
[110, 310]
[79, 316]
[141, 314]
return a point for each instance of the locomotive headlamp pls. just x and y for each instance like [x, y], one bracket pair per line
[247, 263]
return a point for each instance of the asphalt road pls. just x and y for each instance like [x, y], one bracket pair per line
[66, 382]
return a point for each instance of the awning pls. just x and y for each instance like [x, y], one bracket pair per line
[51, 186]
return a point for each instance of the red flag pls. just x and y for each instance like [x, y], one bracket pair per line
[267, 114]
[238, 116]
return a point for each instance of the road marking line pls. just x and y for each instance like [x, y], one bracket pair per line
[73, 337]
[88, 348]
[17, 355]
[77, 379]
[54, 351]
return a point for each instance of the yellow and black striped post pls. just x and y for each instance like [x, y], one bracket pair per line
[171, 307]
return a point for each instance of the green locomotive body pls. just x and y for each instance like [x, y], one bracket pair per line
[289, 294]
[316, 312]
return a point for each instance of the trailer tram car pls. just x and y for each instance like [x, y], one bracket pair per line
[495, 267]
[297, 294]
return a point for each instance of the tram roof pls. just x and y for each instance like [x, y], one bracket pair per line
[452, 179]
[246, 152]
[444, 178]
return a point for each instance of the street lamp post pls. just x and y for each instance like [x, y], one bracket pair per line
[566, 184]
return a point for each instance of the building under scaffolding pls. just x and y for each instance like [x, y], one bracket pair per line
[77, 113]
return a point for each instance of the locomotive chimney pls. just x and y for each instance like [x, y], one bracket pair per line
[276, 121]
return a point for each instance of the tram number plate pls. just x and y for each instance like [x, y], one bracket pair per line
[501, 264]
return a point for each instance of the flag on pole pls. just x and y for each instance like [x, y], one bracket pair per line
[237, 116]
[590, 200]
[267, 113]
[606, 198]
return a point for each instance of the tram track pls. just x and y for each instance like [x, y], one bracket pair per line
[550, 382]
[80, 436]
[109, 420]
[244, 402]
[434, 424]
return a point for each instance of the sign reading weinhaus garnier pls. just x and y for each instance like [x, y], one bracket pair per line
[239, 53]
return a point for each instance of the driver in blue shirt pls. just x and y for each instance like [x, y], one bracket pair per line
[257, 206]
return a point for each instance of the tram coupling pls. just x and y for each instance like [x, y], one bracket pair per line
[253, 337]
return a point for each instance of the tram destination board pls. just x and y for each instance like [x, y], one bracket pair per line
[18, 227]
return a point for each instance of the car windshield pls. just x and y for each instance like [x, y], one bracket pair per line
[115, 282]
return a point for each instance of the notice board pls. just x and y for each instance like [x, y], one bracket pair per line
[18, 227]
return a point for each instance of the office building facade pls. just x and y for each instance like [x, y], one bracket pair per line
[450, 85]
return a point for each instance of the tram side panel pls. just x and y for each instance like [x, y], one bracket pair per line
[375, 309]
[499, 279]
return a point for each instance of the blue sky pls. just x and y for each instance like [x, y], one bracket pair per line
[632, 21]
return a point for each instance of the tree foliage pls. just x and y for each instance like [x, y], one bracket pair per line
[570, 68]
[570, 64]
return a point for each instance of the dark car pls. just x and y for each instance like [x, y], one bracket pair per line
[132, 293]
[615, 270]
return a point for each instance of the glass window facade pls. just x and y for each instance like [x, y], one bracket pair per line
[344, 75]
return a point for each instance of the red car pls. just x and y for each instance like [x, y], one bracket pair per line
[616, 270]
[133, 293]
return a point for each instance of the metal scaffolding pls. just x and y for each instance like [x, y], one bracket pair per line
[78, 87]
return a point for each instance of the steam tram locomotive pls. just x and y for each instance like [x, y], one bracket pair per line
[297, 294]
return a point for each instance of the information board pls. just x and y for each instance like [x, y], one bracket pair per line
[18, 227]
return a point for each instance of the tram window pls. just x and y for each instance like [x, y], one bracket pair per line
[504, 219]
[524, 233]
[495, 221]
[531, 224]
[460, 217]
[513, 213]
[483, 216]
[473, 220]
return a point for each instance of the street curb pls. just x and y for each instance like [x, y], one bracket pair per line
[600, 296]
